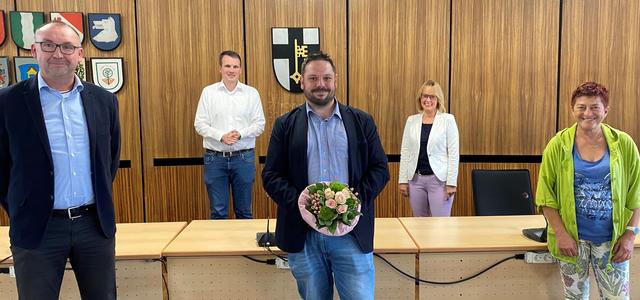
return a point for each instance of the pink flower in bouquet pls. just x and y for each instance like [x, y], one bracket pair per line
[331, 208]
[341, 198]
[329, 194]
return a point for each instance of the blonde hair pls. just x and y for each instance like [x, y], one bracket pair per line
[437, 90]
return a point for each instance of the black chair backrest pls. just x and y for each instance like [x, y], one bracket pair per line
[502, 192]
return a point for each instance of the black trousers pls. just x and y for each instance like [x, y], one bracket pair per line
[39, 271]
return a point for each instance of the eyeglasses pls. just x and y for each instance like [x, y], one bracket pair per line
[429, 97]
[66, 48]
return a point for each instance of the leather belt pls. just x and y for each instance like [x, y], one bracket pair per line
[423, 172]
[74, 212]
[228, 153]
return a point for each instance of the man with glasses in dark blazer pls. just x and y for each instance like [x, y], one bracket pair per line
[59, 153]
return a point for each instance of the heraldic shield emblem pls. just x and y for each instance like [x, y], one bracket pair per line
[73, 19]
[107, 73]
[289, 48]
[3, 33]
[23, 27]
[26, 67]
[104, 31]
[4, 71]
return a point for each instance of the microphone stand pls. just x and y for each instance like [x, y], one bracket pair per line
[266, 239]
[536, 234]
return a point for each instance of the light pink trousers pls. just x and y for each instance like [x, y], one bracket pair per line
[428, 197]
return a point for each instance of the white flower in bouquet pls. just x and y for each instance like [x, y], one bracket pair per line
[341, 198]
[330, 208]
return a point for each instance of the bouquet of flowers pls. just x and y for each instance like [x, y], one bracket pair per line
[330, 208]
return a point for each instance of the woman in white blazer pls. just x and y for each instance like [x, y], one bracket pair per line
[429, 155]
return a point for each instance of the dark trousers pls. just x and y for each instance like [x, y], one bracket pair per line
[39, 271]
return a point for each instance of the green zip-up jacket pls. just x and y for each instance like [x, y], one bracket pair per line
[555, 183]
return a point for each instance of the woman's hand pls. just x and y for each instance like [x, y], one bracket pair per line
[451, 190]
[623, 249]
[566, 244]
[404, 189]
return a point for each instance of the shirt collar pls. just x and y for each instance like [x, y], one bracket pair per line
[336, 109]
[77, 85]
[237, 89]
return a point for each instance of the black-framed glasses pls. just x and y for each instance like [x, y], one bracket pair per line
[430, 97]
[66, 48]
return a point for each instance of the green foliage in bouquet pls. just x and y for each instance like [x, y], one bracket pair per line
[332, 203]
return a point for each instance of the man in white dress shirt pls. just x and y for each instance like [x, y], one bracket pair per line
[229, 118]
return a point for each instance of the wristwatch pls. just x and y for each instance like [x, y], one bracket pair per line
[634, 229]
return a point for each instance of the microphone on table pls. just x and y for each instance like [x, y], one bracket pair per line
[536, 234]
[266, 239]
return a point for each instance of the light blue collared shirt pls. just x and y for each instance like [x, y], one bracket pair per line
[327, 147]
[69, 141]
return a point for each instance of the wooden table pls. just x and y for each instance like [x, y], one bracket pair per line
[138, 268]
[457, 247]
[207, 259]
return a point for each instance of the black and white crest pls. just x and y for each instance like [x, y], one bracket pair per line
[290, 46]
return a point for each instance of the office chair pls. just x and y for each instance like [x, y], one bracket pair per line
[502, 192]
[505, 192]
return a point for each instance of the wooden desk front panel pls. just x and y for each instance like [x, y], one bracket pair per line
[233, 277]
[227, 277]
[513, 279]
[205, 262]
[135, 279]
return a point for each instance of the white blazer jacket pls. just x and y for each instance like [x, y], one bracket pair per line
[443, 148]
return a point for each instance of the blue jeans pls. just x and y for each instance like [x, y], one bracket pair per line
[39, 271]
[326, 259]
[240, 171]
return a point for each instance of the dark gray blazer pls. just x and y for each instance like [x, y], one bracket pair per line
[26, 166]
[285, 173]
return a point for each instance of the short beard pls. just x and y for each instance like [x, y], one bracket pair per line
[320, 102]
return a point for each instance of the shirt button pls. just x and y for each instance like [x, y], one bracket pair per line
[74, 173]
[51, 173]
[51, 197]
[73, 155]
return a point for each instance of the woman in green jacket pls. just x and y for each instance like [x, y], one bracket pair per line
[589, 190]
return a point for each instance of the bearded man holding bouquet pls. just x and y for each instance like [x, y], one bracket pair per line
[325, 141]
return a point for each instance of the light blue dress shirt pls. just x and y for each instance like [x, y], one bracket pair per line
[68, 135]
[327, 147]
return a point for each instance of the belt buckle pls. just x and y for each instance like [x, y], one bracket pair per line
[69, 212]
[227, 154]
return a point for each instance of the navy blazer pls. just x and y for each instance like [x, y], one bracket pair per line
[26, 166]
[285, 173]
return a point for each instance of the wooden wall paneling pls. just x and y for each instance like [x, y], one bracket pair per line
[390, 204]
[177, 193]
[395, 46]
[600, 43]
[463, 203]
[504, 62]
[128, 184]
[263, 206]
[8, 49]
[261, 16]
[179, 43]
